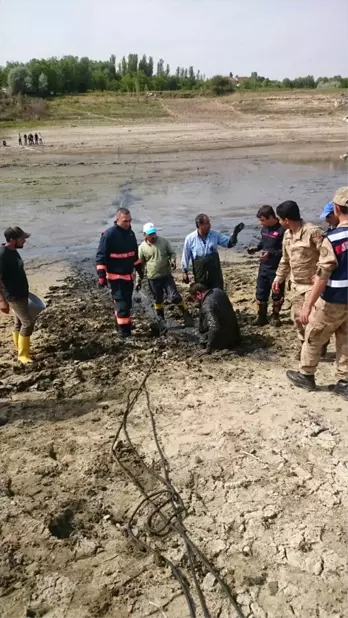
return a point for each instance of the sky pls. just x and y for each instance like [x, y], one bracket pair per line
[276, 38]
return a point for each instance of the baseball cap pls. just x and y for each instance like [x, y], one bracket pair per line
[15, 232]
[328, 210]
[341, 197]
[149, 228]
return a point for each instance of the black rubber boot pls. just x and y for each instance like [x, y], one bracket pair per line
[262, 319]
[160, 313]
[301, 380]
[341, 388]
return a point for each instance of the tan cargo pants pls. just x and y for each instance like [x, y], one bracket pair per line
[325, 320]
[297, 301]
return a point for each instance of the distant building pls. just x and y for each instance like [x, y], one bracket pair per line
[237, 80]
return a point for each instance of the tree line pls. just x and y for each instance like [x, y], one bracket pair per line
[133, 74]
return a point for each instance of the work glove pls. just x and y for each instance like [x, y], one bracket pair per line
[234, 235]
[173, 264]
[102, 283]
[185, 278]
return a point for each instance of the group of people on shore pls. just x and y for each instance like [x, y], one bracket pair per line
[30, 139]
[313, 262]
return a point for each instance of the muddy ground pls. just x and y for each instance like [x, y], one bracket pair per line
[261, 467]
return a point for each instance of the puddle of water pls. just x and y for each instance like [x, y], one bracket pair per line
[231, 191]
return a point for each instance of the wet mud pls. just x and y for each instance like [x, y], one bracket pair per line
[254, 462]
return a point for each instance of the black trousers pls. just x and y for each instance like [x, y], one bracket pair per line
[264, 286]
[207, 270]
[164, 285]
[121, 292]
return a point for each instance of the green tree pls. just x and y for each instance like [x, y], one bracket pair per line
[220, 85]
[19, 80]
[43, 85]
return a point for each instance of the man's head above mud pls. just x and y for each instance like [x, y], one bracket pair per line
[203, 225]
[289, 214]
[123, 218]
[15, 237]
[198, 291]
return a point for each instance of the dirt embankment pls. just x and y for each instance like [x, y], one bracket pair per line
[262, 468]
[307, 123]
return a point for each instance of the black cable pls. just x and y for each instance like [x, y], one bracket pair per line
[172, 523]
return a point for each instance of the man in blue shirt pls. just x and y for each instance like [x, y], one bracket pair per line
[201, 248]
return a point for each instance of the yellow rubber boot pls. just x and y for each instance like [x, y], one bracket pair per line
[24, 349]
[15, 336]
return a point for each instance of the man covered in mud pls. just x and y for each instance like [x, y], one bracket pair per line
[301, 249]
[218, 323]
[271, 246]
[159, 259]
[14, 290]
[116, 259]
[201, 248]
[325, 310]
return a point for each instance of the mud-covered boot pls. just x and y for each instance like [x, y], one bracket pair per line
[340, 388]
[275, 317]
[262, 319]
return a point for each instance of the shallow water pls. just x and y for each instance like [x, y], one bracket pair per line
[230, 191]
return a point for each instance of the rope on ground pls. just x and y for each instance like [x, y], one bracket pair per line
[158, 501]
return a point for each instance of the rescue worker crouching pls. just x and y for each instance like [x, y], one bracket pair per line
[325, 310]
[116, 259]
[271, 246]
[159, 259]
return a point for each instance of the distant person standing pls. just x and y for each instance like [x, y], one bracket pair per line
[19, 139]
[36, 137]
[30, 139]
[40, 139]
[25, 139]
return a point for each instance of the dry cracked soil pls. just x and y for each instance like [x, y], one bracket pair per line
[261, 468]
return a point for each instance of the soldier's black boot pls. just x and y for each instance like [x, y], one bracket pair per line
[341, 388]
[262, 319]
[301, 380]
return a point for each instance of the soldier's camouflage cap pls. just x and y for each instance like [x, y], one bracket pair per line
[341, 197]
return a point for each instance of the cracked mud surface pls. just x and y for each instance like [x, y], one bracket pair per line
[261, 467]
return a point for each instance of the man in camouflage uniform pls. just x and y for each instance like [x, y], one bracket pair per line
[301, 248]
[325, 310]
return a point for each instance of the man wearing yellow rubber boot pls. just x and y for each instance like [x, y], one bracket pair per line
[14, 290]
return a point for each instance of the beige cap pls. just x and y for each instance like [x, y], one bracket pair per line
[341, 197]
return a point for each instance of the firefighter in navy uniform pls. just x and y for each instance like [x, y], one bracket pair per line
[271, 246]
[117, 257]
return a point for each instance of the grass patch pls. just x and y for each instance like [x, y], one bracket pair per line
[91, 108]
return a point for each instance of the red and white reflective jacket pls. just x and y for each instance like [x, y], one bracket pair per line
[117, 254]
